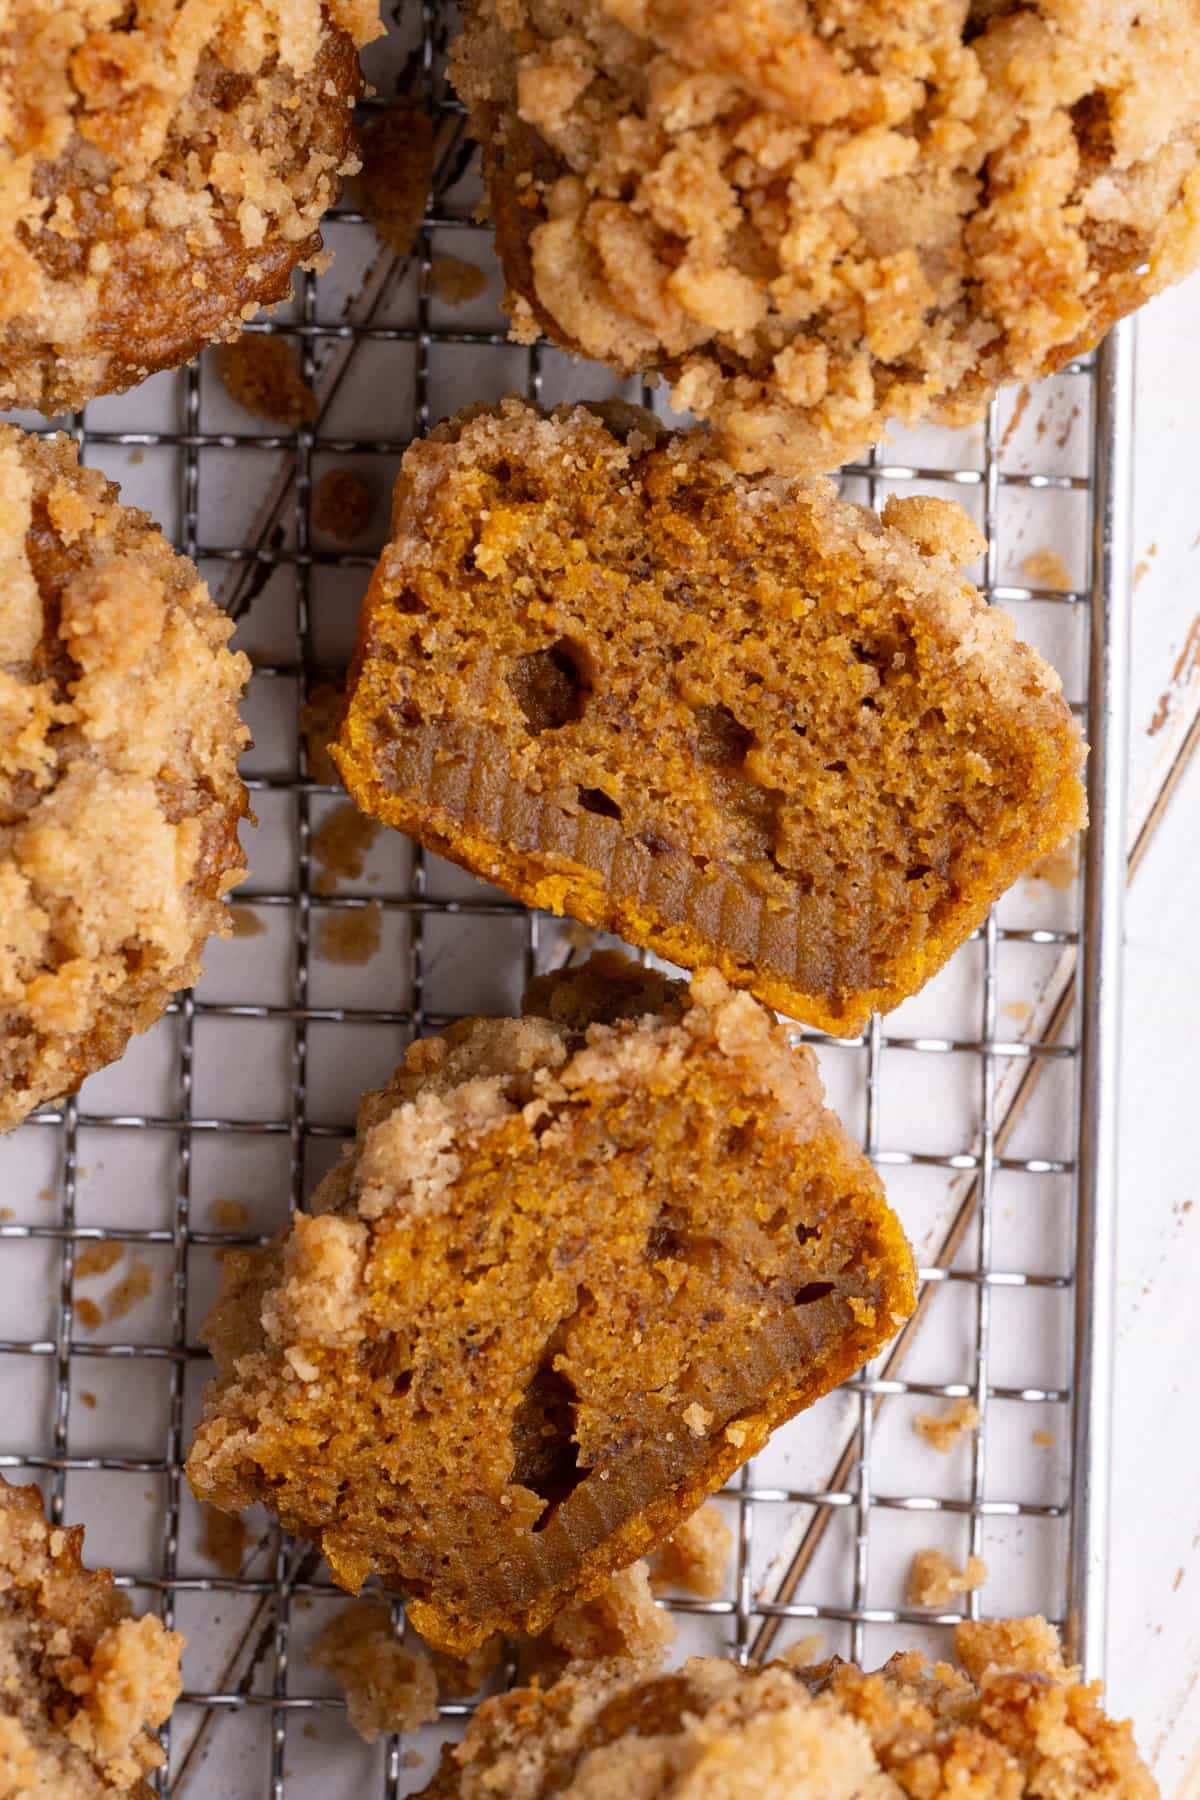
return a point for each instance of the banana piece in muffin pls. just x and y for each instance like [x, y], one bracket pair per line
[574, 1270]
[163, 170]
[812, 217]
[119, 792]
[733, 719]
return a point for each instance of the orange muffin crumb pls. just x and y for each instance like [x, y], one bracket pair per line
[934, 1581]
[83, 1682]
[387, 1687]
[944, 1429]
[1012, 1723]
[471, 1370]
[735, 720]
[262, 373]
[696, 1555]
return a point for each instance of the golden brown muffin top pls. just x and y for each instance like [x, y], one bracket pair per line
[80, 1679]
[119, 739]
[1013, 1720]
[191, 120]
[817, 214]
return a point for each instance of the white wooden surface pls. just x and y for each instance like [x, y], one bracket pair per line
[1154, 1649]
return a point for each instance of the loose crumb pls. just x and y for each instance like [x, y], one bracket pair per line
[459, 1676]
[341, 504]
[1044, 1439]
[1059, 868]
[339, 846]
[944, 1429]
[262, 374]
[230, 1215]
[351, 936]
[621, 1622]
[320, 717]
[804, 1652]
[246, 922]
[223, 1539]
[1046, 569]
[309, 1730]
[88, 1399]
[695, 1556]
[6, 1213]
[88, 1314]
[1020, 1010]
[397, 173]
[131, 1291]
[934, 1581]
[455, 281]
[387, 1687]
[98, 1259]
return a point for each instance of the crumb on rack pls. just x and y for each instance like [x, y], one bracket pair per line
[695, 1556]
[223, 1539]
[934, 1581]
[1044, 1439]
[456, 281]
[88, 1399]
[459, 1676]
[387, 1687]
[246, 922]
[131, 1290]
[350, 936]
[621, 1622]
[1046, 569]
[340, 844]
[88, 1314]
[320, 717]
[1020, 1010]
[1058, 868]
[341, 504]
[262, 373]
[806, 1651]
[230, 1215]
[97, 1259]
[944, 1429]
[397, 173]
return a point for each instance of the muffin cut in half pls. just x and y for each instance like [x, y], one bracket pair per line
[119, 791]
[734, 719]
[1012, 1721]
[575, 1269]
[813, 217]
[82, 1682]
[164, 170]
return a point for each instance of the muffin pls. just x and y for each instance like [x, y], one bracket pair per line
[731, 718]
[119, 792]
[573, 1271]
[815, 217]
[1011, 1721]
[83, 1682]
[164, 170]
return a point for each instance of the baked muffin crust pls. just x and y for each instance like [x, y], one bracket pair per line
[813, 216]
[734, 719]
[163, 170]
[119, 792]
[81, 1680]
[567, 1280]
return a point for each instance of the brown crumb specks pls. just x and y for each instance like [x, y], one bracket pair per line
[350, 934]
[131, 1290]
[320, 717]
[944, 1429]
[247, 922]
[89, 1314]
[342, 503]
[933, 1580]
[455, 281]
[262, 373]
[223, 1539]
[97, 1259]
[340, 844]
[397, 173]
[1046, 569]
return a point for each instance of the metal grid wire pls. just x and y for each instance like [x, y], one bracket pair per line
[823, 1534]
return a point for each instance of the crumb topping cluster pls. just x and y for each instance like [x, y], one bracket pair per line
[815, 215]
[119, 794]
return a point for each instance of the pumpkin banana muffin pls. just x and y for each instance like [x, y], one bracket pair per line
[1011, 1721]
[163, 170]
[568, 1279]
[734, 719]
[119, 792]
[813, 217]
[82, 1682]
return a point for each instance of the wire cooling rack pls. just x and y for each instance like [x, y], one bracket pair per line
[987, 1101]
